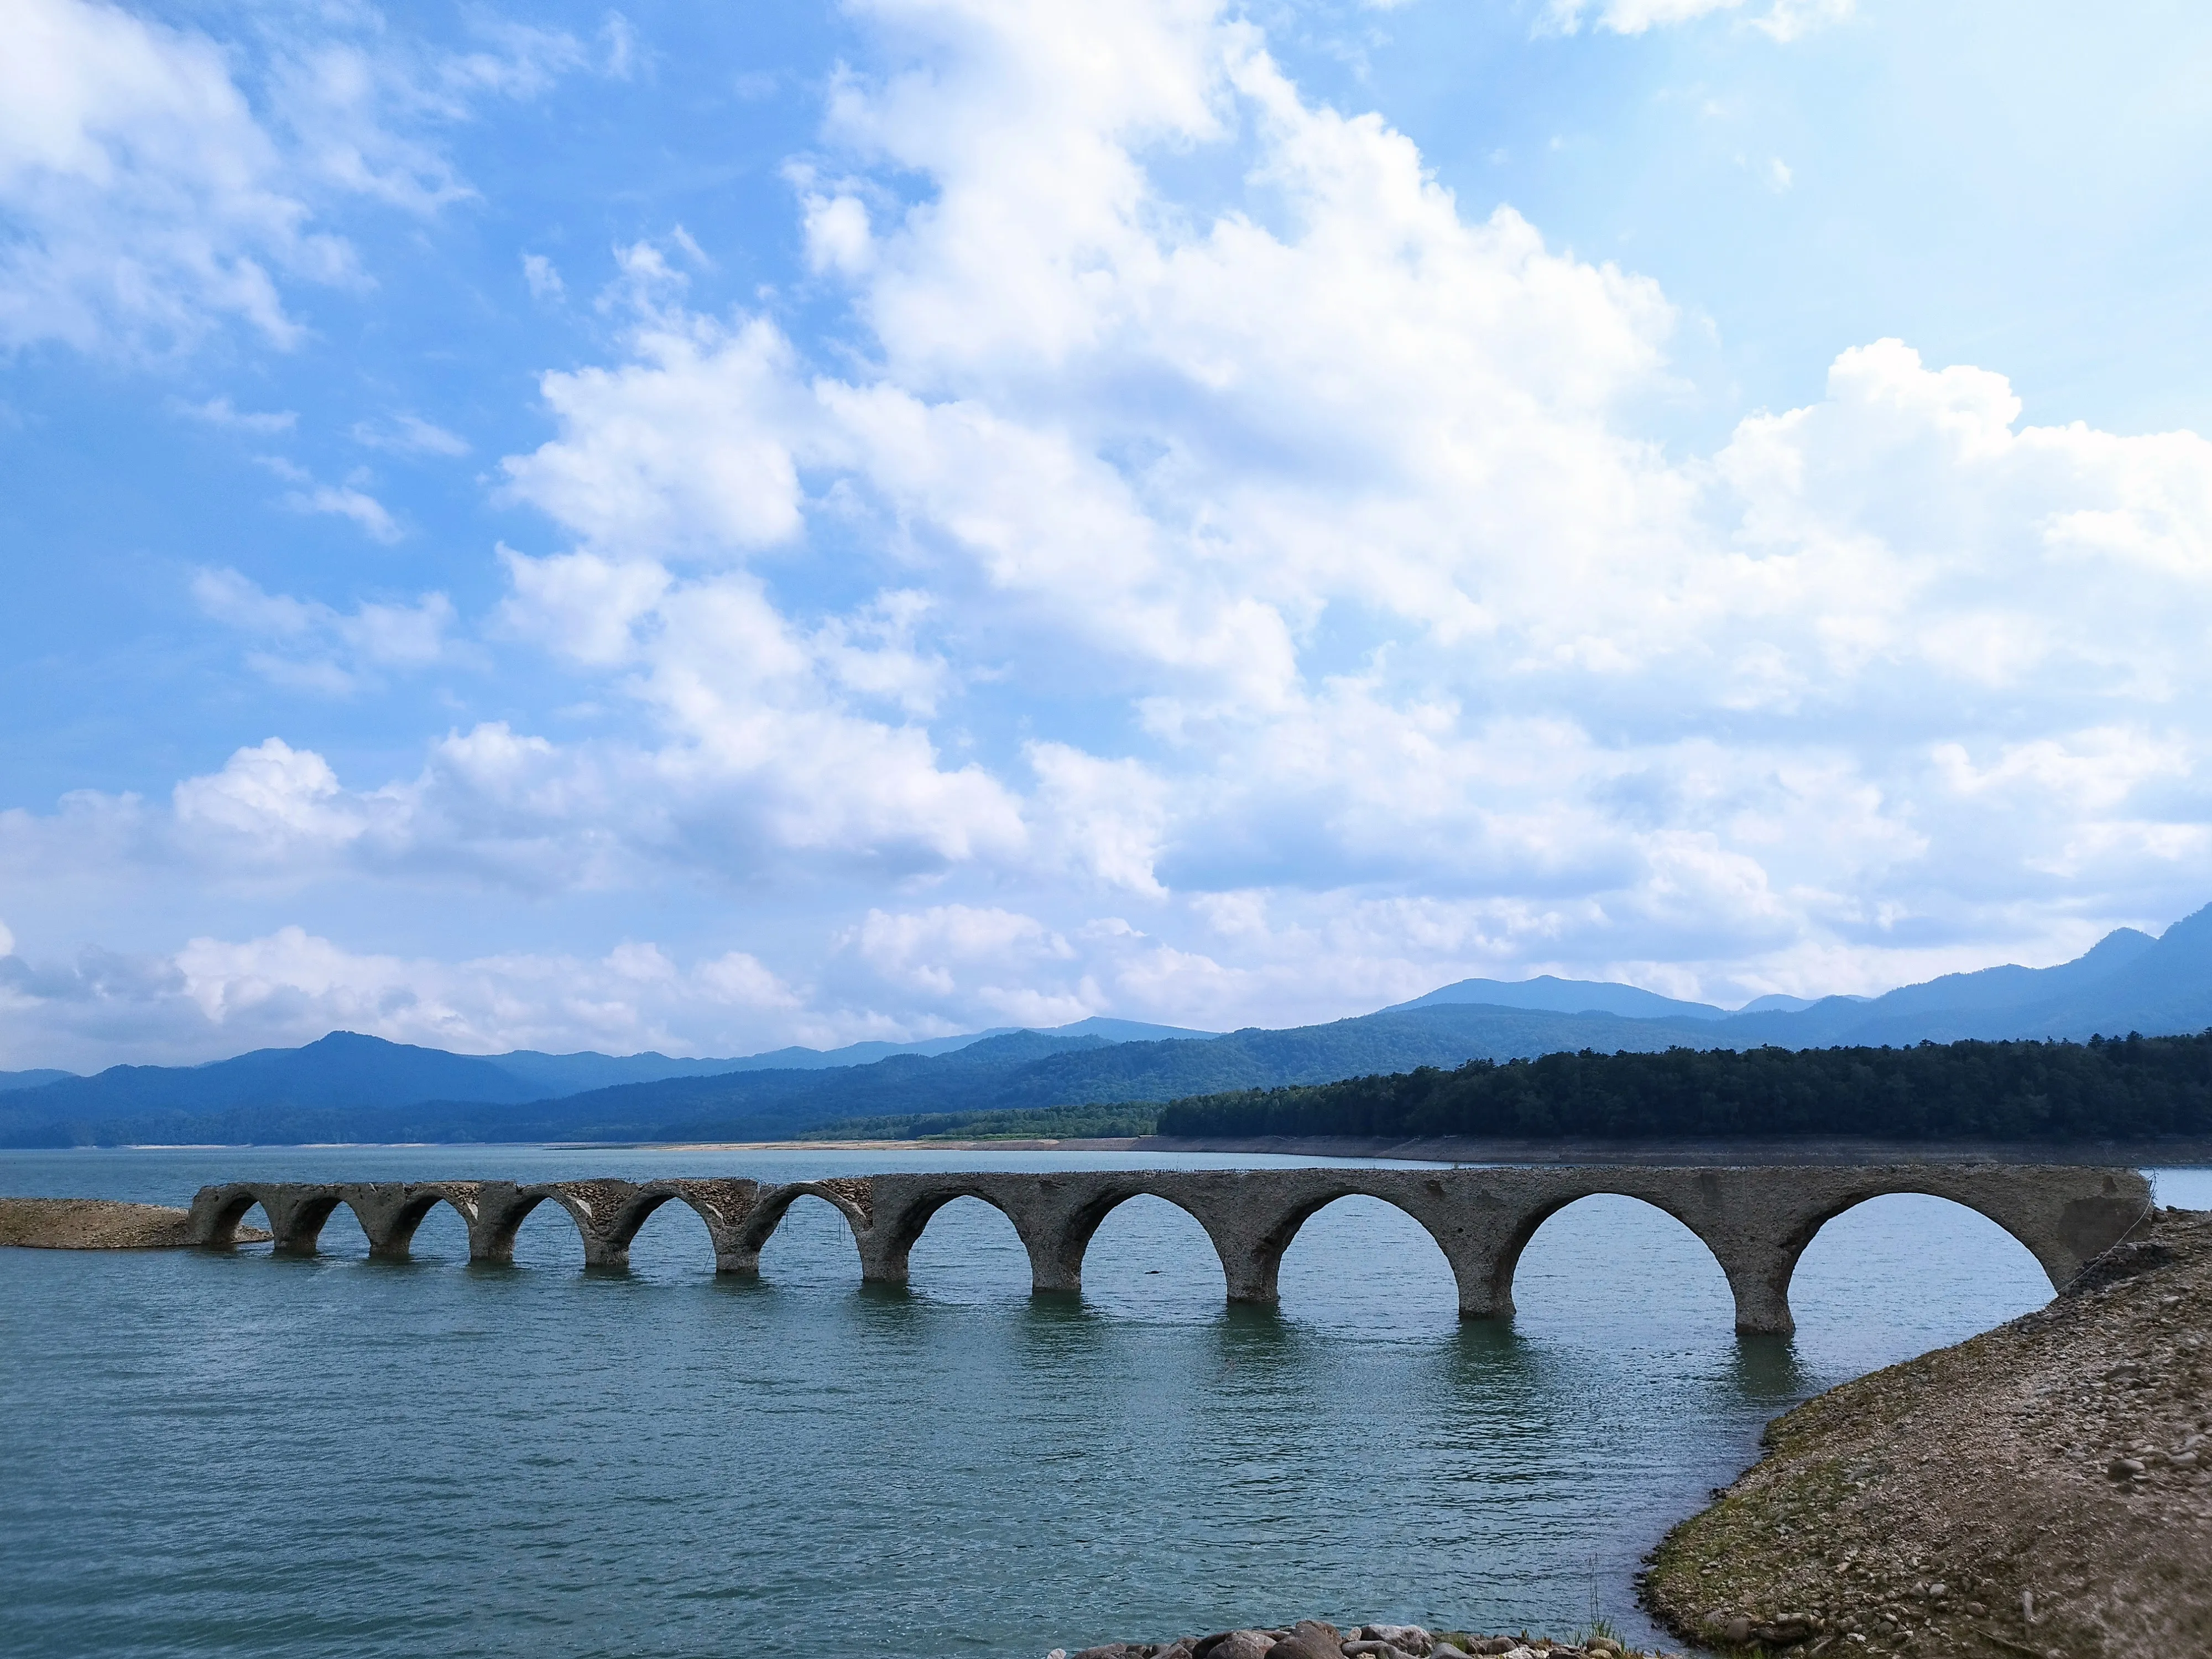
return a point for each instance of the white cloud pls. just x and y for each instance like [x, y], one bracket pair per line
[309, 645]
[1786, 20]
[544, 279]
[1266, 605]
[409, 435]
[217, 411]
[157, 183]
[684, 451]
[345, 502]
[143, 197]
[214, 996]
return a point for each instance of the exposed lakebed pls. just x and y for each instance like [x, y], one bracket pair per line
[215, 1453]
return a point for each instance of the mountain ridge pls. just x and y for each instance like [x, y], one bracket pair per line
[348, 1086]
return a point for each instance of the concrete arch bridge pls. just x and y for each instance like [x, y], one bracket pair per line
[1757, 1221]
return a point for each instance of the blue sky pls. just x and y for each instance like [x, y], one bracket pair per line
[707, 527]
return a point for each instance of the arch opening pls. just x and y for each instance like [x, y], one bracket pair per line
[1147, 1257]
[672, 1241]
[1607, 1262]
[810, 1242]
[238, 1217]
[342, 1238]
[436, 1230]
[546, 1236]
[966, 1249]
[1362, 1260]
[1897, 1273]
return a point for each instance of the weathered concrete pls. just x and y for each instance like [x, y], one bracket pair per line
[1756, 1221]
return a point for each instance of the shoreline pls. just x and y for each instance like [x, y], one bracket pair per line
[2171, 1152]
[2044, 1489]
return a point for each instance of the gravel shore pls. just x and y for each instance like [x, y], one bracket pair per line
[1310, 1638]
[2044, 1490]
[97, 1224]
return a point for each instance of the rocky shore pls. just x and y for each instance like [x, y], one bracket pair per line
[98, 1223]
[1310, 1638]
[2043, 1490]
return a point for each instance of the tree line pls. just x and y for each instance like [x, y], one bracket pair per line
[2128, 1088]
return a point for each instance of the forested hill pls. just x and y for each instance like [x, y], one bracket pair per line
[2128, 1088]
[1019, 1072]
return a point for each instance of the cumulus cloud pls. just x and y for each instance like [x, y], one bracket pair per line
[215, 997]
[1263, 605]
[156, 183]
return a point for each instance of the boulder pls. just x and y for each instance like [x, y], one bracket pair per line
[1309, 1638]
[1406, 1638]
[1236, 1645]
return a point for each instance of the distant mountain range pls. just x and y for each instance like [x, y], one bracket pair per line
[350, 1087]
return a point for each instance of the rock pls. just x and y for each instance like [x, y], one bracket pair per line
[1236, 1645]
[2124, 1468]
[1108, 1650]
[1601, 1644]
[1406, 1638]
[1309, 1638]
[1735, 1631]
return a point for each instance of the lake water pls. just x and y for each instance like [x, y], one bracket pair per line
[235, 1454]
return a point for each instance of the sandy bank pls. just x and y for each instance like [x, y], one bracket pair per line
[2045, 1489]
[96, 1224]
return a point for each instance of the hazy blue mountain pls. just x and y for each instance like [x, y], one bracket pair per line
[1566, 996]
[2164, 987]
[346, 1072]
[1014, 1071]
[340, 1072]
[31, 1080]
[2127, 980]
[1776, 1003]
[355, 1088]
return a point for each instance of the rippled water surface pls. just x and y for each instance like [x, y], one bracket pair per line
[236, 1454]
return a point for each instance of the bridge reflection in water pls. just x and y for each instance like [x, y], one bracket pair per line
[1757, 1221]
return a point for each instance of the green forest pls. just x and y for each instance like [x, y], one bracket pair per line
[2128, 1088]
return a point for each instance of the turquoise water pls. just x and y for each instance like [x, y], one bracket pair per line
[211, 1454]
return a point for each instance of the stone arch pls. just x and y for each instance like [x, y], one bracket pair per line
[744, 1254]
[1293, 1224]
[2029, 1225]
[1057, 1262]
[1494, 1293]
[219, 1212]
[1157, 1234]
[2034, 1227]
[649, 1202]
[897, 1236]
[389, 1212]
[1504, 1267]
[493, 1237]
[295, 1211]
